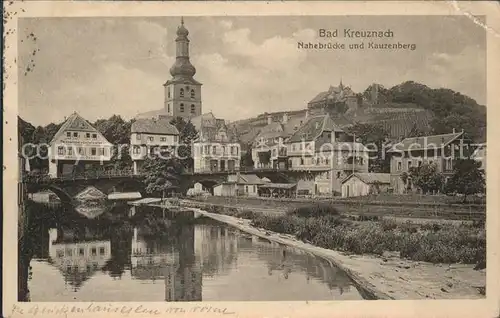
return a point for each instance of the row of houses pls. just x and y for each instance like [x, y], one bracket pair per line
[317, 142]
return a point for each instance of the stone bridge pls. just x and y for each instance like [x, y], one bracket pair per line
[67, 187]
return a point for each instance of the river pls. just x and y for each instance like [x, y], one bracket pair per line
[180, 260]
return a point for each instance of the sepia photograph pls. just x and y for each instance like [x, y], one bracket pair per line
[249, 157]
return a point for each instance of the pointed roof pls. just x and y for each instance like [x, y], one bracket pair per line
[154, 126]
[314, 127]
[371, 178]
[426, 142]
[75, 122]
[209, 126]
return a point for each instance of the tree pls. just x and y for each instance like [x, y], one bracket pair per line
[427, 178]
[246, 157]
[115, 129]
[373, 136]
[467, 178]
[162, 174]
[187, 134]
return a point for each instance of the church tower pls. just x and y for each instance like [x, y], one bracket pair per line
[182, 91]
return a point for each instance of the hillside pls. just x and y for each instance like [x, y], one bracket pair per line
[401, 109]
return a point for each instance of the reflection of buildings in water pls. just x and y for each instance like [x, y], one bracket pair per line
[172, 261]
[286, 260]
[78, 261]
[216, 248]
[183, 283]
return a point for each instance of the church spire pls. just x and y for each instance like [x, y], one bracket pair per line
[182, 67]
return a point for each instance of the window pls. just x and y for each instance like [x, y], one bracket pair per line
[60, 150]
[254, 188]
[163, 138]
[327, 161]
[151, 138]
[338, 175]
[102, 250]
[327, 175]
[93, 151]
[236, 150]
[101, 151]
[399, 165]
[80, 151]
[70, 151]
[214, 150]
[168, 107]
[409, 165]
[168, 92]
[181, 92]
[182, 108]
[193, 109]
[75, 134]
[81, 251]
[137, 150]
[246, 189]
[301, 161]
[68, 134]
[192, 93]
[94, 136]
[224, 150]
[69, 252]
[87, 135]
[94, 251]
[138, 137]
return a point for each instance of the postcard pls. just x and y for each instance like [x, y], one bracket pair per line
[251, 159]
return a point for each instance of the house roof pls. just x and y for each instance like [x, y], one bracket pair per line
[371, 178]
[313, 128]
[77, 123]
[244, 179]
[154, 126]
[210, 127]
[278, 185]
[425, 142]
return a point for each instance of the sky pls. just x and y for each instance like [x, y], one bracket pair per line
[247, 65]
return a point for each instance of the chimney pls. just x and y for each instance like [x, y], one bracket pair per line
[285, 118]
[453, 130]
[269, 119]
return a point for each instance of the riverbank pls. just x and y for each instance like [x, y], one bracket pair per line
[387, 276]
[401, 206]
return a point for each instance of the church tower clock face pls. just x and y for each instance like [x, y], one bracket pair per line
[182, 91]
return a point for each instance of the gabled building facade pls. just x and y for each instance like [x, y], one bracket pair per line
[439, 150]
[321, 145]
[77, 148]
[150, 137]
[217, 148]
[269, 149]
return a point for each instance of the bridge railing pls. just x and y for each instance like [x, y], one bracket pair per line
[99, 174]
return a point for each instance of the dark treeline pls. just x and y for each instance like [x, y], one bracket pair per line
[452, 110]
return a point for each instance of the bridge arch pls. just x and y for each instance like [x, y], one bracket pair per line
[63, 195]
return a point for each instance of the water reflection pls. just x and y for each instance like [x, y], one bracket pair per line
[188, 261]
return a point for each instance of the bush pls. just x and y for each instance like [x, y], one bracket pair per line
[315, 210]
